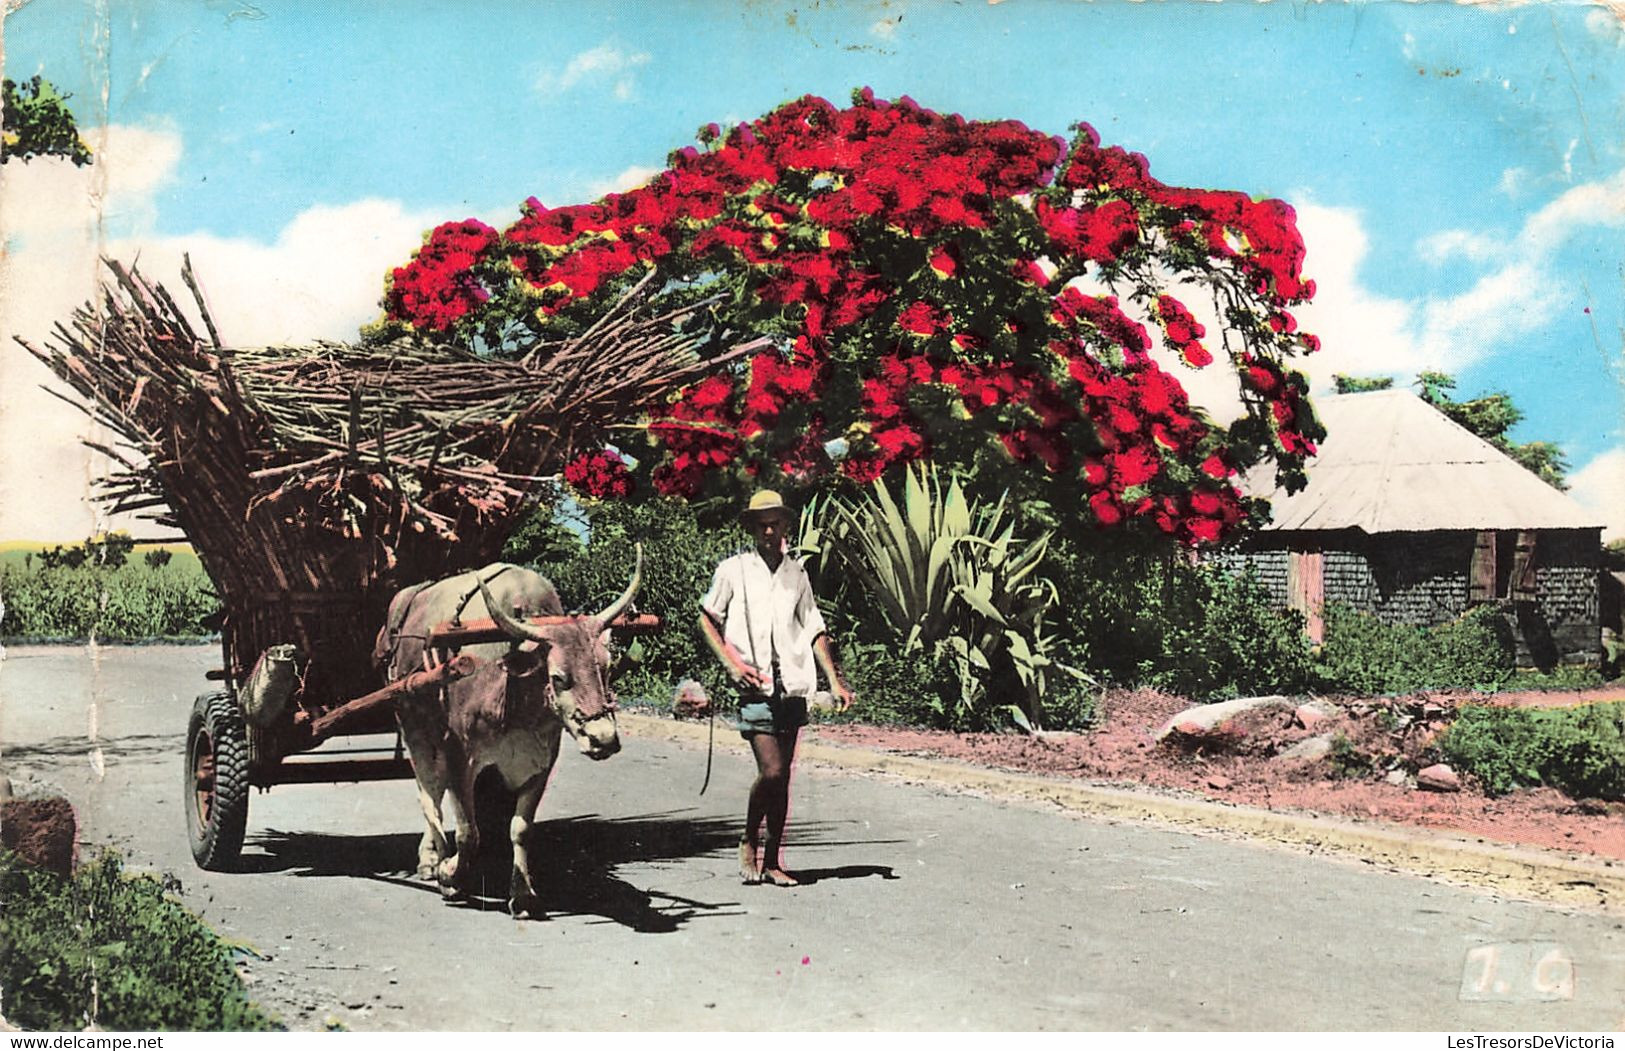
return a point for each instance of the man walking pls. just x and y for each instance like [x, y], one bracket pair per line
[762, 622]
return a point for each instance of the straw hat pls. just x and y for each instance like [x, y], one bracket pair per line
[766, 502]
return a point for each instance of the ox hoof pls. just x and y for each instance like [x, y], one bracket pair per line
[526, 906]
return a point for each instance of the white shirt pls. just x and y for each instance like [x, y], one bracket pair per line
[768, 615]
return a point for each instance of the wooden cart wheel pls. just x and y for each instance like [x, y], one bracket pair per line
[216, 784]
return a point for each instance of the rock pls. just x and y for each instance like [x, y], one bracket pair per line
[1311, 714]
[823, 700]
[1308, 749]
[690, 701]
[1397, 776]
[1218, 781]
[1439, 778]
[1206, 723]
[41, 832]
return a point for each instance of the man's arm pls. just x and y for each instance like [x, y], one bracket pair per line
[740, 673]
[837, 683]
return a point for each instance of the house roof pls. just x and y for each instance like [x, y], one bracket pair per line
[1393, 463]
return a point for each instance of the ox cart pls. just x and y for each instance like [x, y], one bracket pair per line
[267, 726]
[317, 482]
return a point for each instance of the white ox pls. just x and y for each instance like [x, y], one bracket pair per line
[507, 715]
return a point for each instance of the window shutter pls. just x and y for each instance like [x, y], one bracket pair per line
[1481, 574]
[1522, 584]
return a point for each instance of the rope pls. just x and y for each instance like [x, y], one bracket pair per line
[710, 745]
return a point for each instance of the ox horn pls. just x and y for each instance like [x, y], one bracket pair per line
[619, 606]
[514, 627]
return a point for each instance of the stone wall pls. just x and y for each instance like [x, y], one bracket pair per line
[1564, 627]
[1422, 578]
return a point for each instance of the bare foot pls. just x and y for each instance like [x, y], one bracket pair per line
[749, 872]
[779, 878]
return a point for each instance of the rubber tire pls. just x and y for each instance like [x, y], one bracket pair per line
[217, 841]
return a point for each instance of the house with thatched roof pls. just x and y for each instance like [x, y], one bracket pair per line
[1413, 518]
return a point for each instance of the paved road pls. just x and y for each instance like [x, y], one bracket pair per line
[926, 910]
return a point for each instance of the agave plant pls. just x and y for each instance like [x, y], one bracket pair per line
[946, 576]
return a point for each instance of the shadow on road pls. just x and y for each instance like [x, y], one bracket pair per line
[575, 859]
[810, 876]
[129, 746]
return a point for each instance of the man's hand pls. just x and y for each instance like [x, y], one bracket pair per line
[743, 675]
[843, 696]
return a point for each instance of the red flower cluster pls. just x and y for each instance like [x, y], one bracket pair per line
[1099, 235]
[877, 242]
[1261, 235]
[1182, 332]
[438, 287]
[601, 475]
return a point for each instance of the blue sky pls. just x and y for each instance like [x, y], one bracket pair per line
[1459, 170]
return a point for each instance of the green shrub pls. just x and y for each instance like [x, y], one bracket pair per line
[1365, 655]
[1562, 677]
[112, 949]
[1136, 613]
[1117, 590]
[1225, 638]
[1580, 750]
[1346, 761]
[896, 689]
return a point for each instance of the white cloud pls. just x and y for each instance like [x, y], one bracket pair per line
[606, 62]
[1367, 333]
[626, 179]
[1450, 244]
[321, 278]
[1599, 486]
[1513, 180]
[1362, 333]
[50, 197]
[885, 27]
[1590, 204]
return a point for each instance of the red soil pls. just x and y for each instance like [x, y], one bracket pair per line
[1242, 767]
[40, 831]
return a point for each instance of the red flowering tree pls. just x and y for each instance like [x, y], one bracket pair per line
[976, 291]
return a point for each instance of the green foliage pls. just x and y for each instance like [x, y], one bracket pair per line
[1135, 612]
[108, 551]
[1562, 677]
[128, 602]
[946, 577]
[1365, 655]
[680, 556]
[1346, 384]
[1578, 750]
[1223, 638]
[545, 537]
[1345, 761]
[1491, 417]
[112, 949]
[898, 689]
[38, 123]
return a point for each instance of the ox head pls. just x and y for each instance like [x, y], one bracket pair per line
[575, 658]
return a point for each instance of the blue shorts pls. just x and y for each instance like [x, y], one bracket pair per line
[778, 713]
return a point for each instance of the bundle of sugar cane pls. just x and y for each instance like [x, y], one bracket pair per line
[305, 474]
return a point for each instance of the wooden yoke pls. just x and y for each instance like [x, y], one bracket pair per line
[453, 634]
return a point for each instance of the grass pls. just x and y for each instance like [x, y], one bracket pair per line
[114, 950]
[135, 602]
